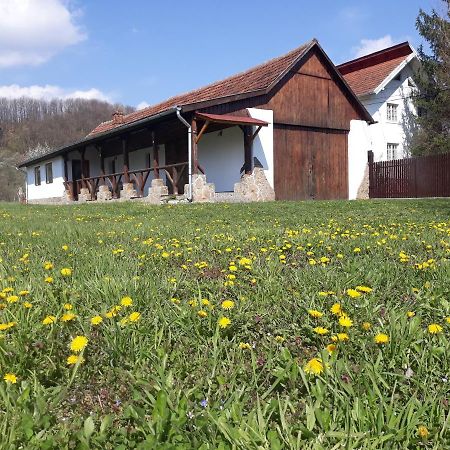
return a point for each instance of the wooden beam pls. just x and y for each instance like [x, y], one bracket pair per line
[155, 155]
[126, 160]
[205, 126]
[66, 172]
[256, 133]
[248, 150]
[194, 146]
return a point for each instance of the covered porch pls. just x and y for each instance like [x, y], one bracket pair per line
[161, 159]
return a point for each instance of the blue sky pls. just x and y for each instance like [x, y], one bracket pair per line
[139, 51]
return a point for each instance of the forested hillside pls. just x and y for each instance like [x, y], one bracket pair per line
[28, 125]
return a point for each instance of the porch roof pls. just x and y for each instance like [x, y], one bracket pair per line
[231, 119]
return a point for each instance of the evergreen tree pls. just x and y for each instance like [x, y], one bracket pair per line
[432, 100]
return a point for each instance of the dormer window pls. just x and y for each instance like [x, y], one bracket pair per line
[391, 112]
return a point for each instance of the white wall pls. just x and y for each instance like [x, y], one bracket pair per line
[50, 190]
[221, 154]
[363, 137]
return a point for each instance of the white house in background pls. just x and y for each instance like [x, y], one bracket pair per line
[383, 83]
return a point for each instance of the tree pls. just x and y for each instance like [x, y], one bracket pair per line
[432, 99]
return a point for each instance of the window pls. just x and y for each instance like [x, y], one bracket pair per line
[37, 176]
[49, 173]
[391, 112]
[392, 150]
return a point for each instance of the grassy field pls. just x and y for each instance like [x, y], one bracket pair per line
[320, 325]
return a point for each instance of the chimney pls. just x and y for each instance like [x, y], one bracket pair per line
[117, 117]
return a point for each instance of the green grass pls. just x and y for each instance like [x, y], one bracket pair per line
[175, 380]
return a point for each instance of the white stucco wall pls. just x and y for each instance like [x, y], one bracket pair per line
[363, 137]
[221, 154]
[46, 190]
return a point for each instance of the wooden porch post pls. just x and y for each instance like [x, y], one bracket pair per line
[194, 146]
[102, 163]
[371, 177]
[83, 167]
[126, 160]
[248, 149]
[155, 155]
[66, 172]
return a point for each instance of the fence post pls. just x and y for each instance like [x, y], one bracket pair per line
[371, 181]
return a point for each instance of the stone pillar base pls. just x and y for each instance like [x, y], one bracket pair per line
[128, 191]
[156, 191]
[84, 195]
[202, 191]
[104, 193]
[67, 196]
[254, 187]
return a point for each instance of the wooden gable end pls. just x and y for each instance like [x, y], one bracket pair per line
[312, 95]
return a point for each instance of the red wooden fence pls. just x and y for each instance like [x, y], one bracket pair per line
[424, 176]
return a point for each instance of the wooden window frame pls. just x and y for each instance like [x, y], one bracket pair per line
[392, 112]
[391, 151]
[49, 179]
[37, 176]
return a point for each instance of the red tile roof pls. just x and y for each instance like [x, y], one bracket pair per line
[365, 74]
[255, 79]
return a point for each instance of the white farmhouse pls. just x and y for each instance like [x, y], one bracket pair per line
[383, 83]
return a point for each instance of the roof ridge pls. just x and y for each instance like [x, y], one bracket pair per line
[392, 48]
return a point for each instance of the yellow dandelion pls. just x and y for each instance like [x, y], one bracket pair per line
[78, 343]
[227, 304]
[48, 320]
[320, 330]
[134, 316]
[331, 348]
[366, 326]
[224, 322]
[345, 321]
[314, 366]
[279, 339]
[206, 302]
[314, 313]
[48, 265]
[67, 317]
[126, 301]
[73, 359]
[381, 338]
[10, 378]
[12, 299]
[24, 293]
[422, 431]
[364, 289]
[96, 320]
[202, 313]
[68, 306]
[49, 280]
[244, 346]
[434, 328]
[353, 293]
[336, 309]
[66, 272]
[410, 314]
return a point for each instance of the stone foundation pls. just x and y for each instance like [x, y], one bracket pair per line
[254, 187]
[128, 191]
[156, 191]
[363, 190]
[67, 197]
[202, 192]
[84, 195]
[104, 194]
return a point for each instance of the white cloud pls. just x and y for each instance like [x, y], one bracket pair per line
[32, 31]
[49, 92]
[142, 105]
[367, 46]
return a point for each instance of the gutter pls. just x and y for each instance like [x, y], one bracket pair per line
[189, 127]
